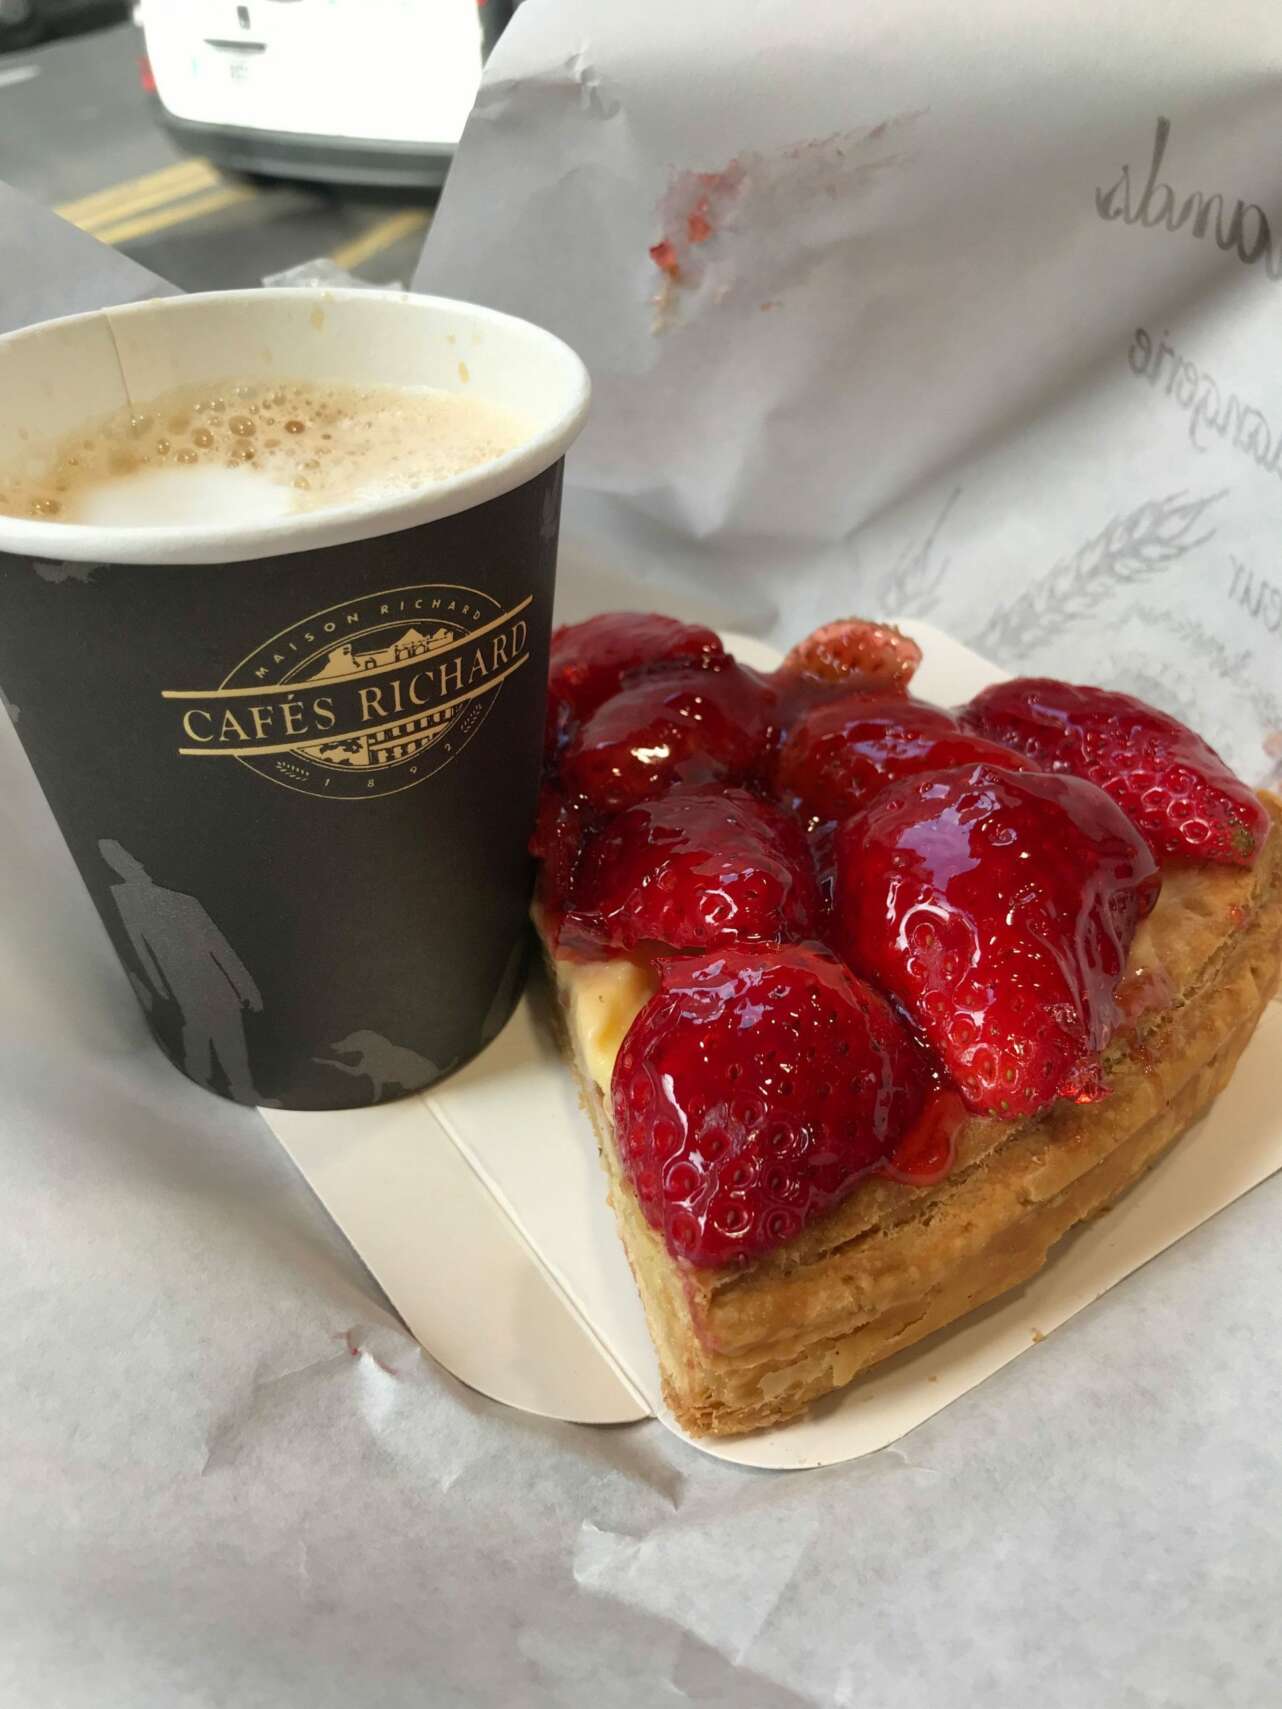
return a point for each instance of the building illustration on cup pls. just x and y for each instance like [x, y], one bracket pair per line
[399, 741]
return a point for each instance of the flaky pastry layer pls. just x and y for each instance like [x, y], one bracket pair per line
[742, 1349]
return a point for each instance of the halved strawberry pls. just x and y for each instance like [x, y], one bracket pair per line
[841, 752]
[753, 1091]
[998, 907]
[856, 653]
[1166, 779]
[697, 869]
[590, 660]
[673, 725]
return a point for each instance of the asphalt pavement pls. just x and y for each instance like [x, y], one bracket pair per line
[78, 132]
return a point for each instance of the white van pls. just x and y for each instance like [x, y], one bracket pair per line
[346, 91]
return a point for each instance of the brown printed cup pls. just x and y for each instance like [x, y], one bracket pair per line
[296, 762]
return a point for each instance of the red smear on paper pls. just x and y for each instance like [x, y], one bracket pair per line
[691, 213]
[664, 257]
[698, 225]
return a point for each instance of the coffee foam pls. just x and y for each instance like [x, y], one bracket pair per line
[252, 452]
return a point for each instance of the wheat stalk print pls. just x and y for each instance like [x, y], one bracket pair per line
[1198, 643]
[911, 585]
[1141, 543]
[1207, 654]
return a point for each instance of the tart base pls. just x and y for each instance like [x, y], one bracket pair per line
[746, 1349]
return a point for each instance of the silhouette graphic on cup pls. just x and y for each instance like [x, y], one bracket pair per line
[184, 959]
[384, 1064]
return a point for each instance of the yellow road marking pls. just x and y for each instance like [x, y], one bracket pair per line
[381, 236]
[174, 180]
[193, 209]
[147, 199]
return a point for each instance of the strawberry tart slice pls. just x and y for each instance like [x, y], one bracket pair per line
[873, 1000]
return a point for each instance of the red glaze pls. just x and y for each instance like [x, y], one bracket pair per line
[998, 907]
[1167, 780]
[823, 854]
[673, 725]
[697, 869]
[927, 1151]
[840, 753]
[753, 1092]
[590, 660]
[557, 840]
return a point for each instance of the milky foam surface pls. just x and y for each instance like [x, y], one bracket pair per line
[237, 453]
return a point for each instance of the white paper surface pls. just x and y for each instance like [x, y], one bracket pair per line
[227, 1475]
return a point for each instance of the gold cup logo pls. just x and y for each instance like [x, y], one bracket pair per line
[363, 699]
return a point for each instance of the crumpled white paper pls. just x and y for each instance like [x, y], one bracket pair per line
[968, 314]
[227, 1476]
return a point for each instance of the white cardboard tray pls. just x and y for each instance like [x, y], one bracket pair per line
[480, 1207]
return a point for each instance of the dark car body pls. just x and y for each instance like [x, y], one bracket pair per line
[25, 22]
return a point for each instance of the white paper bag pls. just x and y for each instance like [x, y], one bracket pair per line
[972, 312]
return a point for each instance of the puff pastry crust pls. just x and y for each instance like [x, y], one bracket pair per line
[743, 1349]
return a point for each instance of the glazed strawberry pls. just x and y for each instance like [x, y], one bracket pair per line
[753, 1091]
[857, 654]
[556, 842]
[1166, 779]
[998, 907]
[840, 753]
[696, 869]
[673, 725]
[822, 838]
[590, 660]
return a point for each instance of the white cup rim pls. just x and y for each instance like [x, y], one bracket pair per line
[363, 519]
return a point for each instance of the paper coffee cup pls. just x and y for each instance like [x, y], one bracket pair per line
[296, 760]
